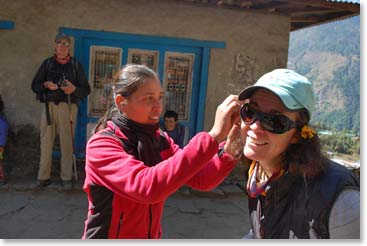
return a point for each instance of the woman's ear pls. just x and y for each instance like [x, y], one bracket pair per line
[120, 102]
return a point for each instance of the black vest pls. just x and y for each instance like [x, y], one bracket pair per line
[300, 208]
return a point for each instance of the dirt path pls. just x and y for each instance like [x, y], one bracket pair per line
[51, 214]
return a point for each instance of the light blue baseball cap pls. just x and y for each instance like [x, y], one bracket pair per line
[293, 89]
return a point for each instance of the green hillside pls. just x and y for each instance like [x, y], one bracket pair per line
[329, 55]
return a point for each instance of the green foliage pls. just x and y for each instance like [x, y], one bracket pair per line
[349, 117]
[342, 142]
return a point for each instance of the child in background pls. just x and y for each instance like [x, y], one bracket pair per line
[174, 129]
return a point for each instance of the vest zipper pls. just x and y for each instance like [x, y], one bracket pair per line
[119, 226]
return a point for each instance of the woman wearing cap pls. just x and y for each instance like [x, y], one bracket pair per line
[294, 191]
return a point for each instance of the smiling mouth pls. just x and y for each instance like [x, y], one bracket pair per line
[256, 142]
[154, 117]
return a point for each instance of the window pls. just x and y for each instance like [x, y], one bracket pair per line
[144, 57]
[104, 63]
[178, 83]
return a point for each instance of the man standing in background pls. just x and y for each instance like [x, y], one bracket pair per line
[60, 83]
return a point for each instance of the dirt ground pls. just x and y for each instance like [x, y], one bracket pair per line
[51, 214]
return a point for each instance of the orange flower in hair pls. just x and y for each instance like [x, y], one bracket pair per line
[307, 132]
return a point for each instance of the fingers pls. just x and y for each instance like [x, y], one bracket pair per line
[230, 106]
[226, 115]
[67, 82]
[50, 85]
[231, 102]
[230, 99]
[235, 142]
[69, 88]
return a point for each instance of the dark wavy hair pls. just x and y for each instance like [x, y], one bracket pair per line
[304, 158]
[126, 81]
[171, 114]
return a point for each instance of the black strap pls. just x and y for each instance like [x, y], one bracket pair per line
[48, 67]
[48, 118]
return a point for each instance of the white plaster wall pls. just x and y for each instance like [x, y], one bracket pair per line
[255, 42]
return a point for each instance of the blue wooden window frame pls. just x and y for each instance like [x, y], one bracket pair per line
[81, 34]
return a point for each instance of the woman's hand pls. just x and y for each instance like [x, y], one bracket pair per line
[226, 116]
[235, 141]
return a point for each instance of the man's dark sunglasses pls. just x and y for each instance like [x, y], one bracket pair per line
[273, 123]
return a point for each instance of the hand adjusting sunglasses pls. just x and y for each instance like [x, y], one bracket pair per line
[273, 123]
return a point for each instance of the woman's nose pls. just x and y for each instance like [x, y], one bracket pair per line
[256, 125]
[157, 103]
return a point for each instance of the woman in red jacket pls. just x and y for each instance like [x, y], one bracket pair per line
[132, 167]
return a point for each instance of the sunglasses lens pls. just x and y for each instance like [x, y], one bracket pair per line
[247, 114]
[275, 123]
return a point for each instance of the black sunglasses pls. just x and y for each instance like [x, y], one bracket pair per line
[273, 123]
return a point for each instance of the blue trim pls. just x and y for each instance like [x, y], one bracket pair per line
[161, 56]
[6, 25]
[202, 90]
[141, 38]
[80, 130]
[83, 39]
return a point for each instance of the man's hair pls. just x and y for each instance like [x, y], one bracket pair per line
[61, 36]
[170, 114]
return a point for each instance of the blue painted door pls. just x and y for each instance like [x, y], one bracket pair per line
[121, 49]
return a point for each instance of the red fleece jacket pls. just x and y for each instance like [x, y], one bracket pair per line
[126, 197]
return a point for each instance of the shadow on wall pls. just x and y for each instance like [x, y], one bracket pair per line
[22, 152]
[22, 155]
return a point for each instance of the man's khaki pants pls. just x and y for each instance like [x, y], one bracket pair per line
[60, 124]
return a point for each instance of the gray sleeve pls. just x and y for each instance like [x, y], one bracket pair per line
[249, 235]
[344, 221]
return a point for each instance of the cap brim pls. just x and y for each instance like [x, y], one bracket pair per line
[287, 99]
[246, 93]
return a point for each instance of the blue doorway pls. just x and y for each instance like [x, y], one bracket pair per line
[182, 65]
